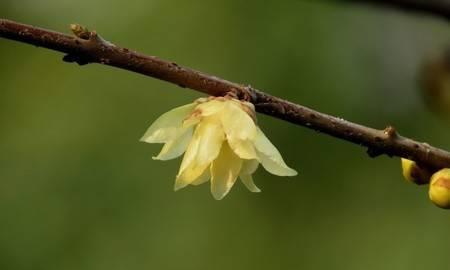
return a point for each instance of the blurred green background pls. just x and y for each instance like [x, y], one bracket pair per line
[79, 191]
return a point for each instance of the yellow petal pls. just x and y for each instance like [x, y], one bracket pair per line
[275, 167]
[237, 124]
[243, 148]
[224, 172]
[193, 173]
[247, 179]
[189, 169]
[270, 158]
[210, 107]
[192, 120]
[249, 166]
[202, 179]
[175, 148]
[165, 128]
[211, 137]
[203, 149]
[190, 154]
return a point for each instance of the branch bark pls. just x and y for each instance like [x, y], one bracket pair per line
[88, 47]
[439, 8]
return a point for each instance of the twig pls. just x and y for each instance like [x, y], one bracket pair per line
[440, 8]
[88, 47]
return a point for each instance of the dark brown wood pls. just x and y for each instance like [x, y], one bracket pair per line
[88, 47]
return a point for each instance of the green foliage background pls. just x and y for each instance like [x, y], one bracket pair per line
[79, 191]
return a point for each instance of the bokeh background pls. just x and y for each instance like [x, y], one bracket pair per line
[79, 191]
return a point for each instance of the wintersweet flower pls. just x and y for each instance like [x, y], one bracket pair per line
[220, 141]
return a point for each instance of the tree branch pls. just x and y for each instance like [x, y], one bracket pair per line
[440, 8]
[88, 47]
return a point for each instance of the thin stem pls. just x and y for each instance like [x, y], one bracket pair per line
[88, 47]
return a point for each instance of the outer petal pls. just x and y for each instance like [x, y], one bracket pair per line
[224, 172]
[247, 179]
[270, 158]
[176, 147]
[165, 128]
[237, 123]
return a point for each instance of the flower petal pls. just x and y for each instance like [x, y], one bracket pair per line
[165, 128]
[203, 149]
[269, 156]
[275, 167]
[210, 107]
[247, 179]
[192, 119]
[237, 123]
[243, 148]
[211, 137]
[190, 175]
[249, 166]
[175, 148]
[190, 154]
[224, 172]
[202, 179]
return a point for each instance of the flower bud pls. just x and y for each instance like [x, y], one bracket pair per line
[440, 188]
[415, 174]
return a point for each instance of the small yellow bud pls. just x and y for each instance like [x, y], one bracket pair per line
[440, 188]
[415, 174]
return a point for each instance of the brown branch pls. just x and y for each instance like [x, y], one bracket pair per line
[88, 47]
[440, 8]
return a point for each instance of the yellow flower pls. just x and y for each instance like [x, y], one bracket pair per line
[440, 188]
[221, 142]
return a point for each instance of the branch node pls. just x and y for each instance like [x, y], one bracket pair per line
[92, 36]
[391, 132]
[249, 94]
[80, 31]
[232, 93]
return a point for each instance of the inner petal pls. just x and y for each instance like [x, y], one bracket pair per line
[211, 137]
[237, 123]
[224, 172]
